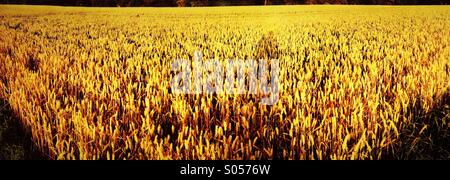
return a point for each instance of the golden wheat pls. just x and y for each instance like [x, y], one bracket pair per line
[94, 83]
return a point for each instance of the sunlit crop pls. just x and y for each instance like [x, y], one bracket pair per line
[94, 83]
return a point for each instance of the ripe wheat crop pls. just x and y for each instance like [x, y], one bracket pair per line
[94, 83]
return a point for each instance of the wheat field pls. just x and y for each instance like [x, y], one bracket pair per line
[94, 83]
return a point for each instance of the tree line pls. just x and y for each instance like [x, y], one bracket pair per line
[193, 3]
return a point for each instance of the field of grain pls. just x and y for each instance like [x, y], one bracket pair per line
[94, 83]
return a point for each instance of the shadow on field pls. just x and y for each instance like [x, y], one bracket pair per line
[428, 137]
[15, 143]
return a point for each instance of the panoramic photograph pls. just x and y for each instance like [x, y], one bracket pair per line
[218, 80]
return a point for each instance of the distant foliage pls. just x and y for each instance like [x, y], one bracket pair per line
[183, 3]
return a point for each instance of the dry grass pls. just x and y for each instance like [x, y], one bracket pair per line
[93, 83]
